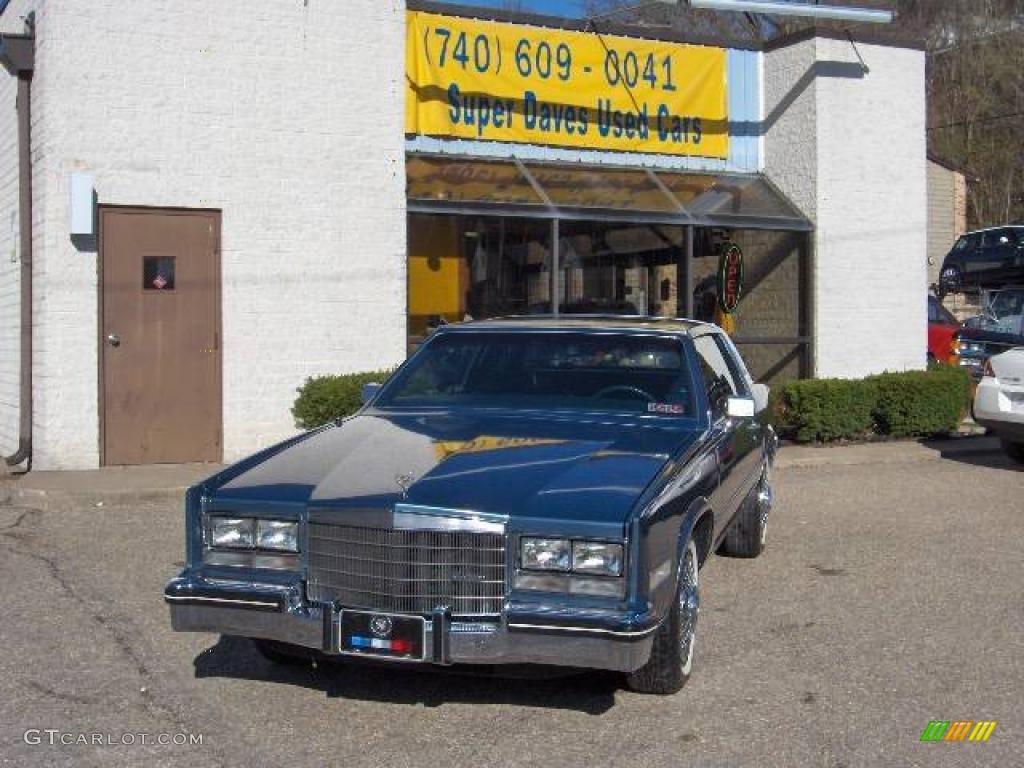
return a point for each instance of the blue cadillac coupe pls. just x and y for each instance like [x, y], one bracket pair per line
[540, 490]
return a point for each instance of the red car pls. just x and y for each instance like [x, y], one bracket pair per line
[941, 327]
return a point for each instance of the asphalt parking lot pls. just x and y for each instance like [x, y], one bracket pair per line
[890, 595]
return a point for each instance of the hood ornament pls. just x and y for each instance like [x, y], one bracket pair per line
[405, 481]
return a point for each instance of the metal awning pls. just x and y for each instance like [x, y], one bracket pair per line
[499, 187]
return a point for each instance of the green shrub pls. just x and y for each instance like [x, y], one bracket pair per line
[909, 404]
[323, 399]
[826, 409]
[921, 403]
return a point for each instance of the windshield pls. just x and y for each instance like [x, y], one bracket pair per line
[547, 370]
[1004, 312]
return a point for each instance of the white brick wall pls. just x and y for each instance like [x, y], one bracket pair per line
[853, 156]
[287, 116]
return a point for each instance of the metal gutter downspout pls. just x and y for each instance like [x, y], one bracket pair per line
[17, 55]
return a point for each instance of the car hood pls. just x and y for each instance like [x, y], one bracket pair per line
[592, 468]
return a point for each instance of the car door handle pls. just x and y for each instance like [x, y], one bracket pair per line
[113, 340]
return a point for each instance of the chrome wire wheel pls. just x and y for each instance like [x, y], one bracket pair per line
[765, 498]
[689, 606]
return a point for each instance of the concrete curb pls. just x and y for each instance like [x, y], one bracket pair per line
[49, 500]
[50, 490]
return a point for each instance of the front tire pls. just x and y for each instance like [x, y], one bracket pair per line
[1014, 450]
[671, 661]
[287, 654]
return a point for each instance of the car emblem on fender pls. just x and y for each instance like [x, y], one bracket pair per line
[380, 626]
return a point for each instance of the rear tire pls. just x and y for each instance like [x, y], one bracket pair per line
[1014, 450]
[748, 532]
[671, 662]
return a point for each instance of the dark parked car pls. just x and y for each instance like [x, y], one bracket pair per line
[527, 490]
[988, 258]
[1000, 327]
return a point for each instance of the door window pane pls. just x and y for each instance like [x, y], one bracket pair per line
[158, 273]
[719, 380]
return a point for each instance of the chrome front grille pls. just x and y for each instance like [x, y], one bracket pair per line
[407, 571]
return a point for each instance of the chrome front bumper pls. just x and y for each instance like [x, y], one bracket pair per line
[596, 641]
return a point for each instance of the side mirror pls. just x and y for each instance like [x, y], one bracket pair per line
[370, 391]
[760, 394]
[740, 408]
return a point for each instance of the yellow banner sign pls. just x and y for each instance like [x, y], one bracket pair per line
[493, 81]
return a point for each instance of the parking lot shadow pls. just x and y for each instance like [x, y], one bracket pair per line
[590, 692]
[979, 451]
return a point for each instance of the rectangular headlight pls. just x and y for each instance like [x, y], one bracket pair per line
[232, 532]
[597, 558]
[546, 554]
[277, 535]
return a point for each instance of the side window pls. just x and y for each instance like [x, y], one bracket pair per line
[933, 310]
[997, 237]
[720, 377]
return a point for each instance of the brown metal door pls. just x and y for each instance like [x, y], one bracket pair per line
[160, 336]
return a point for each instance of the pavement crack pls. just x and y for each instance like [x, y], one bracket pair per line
[54, 572]
[823, 571]
[49, 692]
[7, 530]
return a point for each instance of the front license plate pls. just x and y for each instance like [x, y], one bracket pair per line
[384, 635]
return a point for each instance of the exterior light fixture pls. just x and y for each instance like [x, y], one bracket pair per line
[778, 8]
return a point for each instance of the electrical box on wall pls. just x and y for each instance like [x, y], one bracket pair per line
[80, 209]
